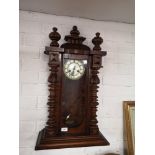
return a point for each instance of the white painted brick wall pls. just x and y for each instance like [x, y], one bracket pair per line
[117, 78]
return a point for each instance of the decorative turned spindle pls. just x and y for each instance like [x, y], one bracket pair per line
[96, 65]
[52, 79]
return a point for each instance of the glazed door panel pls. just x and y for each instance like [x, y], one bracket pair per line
[74, 98]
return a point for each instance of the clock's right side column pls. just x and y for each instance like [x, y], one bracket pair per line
[96, 59]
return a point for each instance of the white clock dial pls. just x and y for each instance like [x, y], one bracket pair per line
[74, 69]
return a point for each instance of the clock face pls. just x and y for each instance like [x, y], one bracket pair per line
[74, 69]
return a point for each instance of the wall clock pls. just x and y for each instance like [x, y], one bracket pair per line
[73, 86]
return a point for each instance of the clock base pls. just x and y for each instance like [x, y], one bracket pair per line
[69, 141]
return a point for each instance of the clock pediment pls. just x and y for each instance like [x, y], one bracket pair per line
[74, 41]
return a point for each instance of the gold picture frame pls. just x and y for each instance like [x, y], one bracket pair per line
[129, 124]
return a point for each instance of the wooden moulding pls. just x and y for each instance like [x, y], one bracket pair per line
[68, 142]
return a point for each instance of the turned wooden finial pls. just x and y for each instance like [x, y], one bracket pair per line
[55, 37]
[97, 41]
[75, 31]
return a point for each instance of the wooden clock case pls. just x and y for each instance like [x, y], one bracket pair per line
[78, 97]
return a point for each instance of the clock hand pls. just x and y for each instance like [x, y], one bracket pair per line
[74, 68]
[73, 71]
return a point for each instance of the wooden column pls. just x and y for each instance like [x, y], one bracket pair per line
[51, 124]
[96, 60]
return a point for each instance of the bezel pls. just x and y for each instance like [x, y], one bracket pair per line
[79, 63]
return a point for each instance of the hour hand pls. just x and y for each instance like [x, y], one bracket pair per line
[73, 71]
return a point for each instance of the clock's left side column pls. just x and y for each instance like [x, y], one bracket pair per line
[52, 125]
